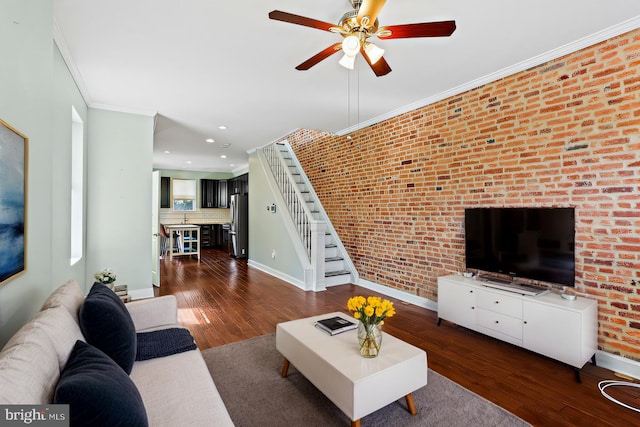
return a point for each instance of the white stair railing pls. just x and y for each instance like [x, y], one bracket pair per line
[297, 206]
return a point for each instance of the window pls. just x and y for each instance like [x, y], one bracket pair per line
[77, 173]
[184, 194]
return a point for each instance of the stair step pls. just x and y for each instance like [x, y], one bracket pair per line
[336, 273]
[335, 258]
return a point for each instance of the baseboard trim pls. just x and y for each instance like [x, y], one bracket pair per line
[141, 293]
[618, 364]
[285, 277]
[402, 296]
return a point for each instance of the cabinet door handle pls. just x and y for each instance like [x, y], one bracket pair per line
[525, 322]
[497, 321]
[473, 308]
[497, 302]
[470, 292]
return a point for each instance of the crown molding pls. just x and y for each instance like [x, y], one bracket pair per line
[128, 110]
[63, 47]
[593, 39]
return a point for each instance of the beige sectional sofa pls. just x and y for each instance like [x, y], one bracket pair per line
[176, 390]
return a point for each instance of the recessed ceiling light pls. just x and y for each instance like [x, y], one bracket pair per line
[188, 162]
[167, 152]
[231, 164]
[222, 127]
[223, 157]
[210, 140]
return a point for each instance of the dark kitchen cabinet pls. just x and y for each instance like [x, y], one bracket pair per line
[208, 193]
[218, 236]
[238, 185]
[223, 194]
[165, 192]
[213, 194]
[206, 241]
[211, 236]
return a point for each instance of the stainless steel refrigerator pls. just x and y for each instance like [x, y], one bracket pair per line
[239, 228]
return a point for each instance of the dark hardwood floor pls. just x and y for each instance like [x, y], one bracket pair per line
[223, 300]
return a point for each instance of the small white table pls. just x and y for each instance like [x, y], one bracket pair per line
[189, 240]
[356, 385]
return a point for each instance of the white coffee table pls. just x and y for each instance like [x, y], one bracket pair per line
[356, 385]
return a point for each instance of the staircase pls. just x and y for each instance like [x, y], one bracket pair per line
[302, 202]
[335, 272]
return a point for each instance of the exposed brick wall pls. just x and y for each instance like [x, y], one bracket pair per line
[565, 133]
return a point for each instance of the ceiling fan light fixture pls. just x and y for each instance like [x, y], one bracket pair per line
[351, 45]
[348, 61]
[373, 52]
[383, 33]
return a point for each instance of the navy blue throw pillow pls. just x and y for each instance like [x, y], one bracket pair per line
[98, 392]
[106, 324]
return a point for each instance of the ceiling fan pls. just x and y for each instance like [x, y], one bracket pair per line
[356, 27]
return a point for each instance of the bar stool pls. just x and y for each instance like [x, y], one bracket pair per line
[164, 240]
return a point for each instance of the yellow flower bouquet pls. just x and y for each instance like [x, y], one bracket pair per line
[370, 312]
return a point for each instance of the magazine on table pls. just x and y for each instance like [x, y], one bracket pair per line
[335, 325]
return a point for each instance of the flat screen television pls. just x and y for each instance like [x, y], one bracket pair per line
[530, 243]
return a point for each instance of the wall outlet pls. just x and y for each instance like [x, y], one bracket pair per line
[273, 254]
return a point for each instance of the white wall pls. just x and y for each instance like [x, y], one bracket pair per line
[36, 96]
[267, 231]
[65, 95]
[119, 162]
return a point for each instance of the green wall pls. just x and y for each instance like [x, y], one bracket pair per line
[267, 230]
[119, 163]
[30, 75]
[37, 94]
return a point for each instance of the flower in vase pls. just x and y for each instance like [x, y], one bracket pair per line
[370, 310]
[105, 276]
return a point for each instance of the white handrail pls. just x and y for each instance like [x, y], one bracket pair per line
[296, 204]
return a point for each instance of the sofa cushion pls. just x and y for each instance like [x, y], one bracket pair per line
[68, 295]
[107, 325]
[191, 399]
[98, 391]
[31, 361]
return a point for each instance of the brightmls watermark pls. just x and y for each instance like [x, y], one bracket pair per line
[35, 415]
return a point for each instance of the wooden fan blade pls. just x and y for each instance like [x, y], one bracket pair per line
[300, 20]
[319, 57]
[370, 8]
[425, 29]
[380, 68]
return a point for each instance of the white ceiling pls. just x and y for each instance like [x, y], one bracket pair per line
[199, 64]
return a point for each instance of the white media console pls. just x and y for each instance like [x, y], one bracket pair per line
[546, 324]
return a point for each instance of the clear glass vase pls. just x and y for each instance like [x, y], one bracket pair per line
[369, 339]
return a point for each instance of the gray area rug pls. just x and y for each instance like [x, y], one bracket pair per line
[247, 375]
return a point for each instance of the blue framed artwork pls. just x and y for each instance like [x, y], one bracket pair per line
[13, 196]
